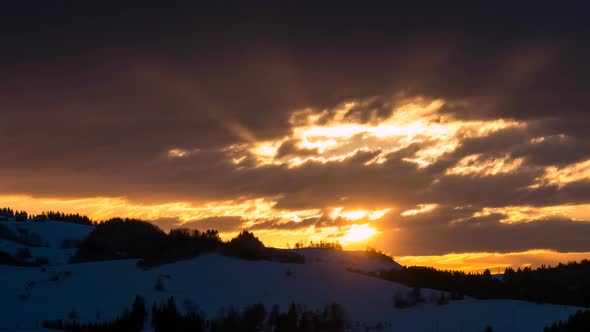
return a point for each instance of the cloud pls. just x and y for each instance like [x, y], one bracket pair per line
[447, 229]
[290, 148]
[556, 150]
[167, 223]
[313, 113]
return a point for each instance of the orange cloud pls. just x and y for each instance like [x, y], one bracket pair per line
[561, 176]
[421, 208]
[484, 166]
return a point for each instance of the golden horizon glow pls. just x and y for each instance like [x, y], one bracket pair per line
[494, 261]
[353, 236]
[252, 211]
[102, 208]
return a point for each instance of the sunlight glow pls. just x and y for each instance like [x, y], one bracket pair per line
[177, 153]
[252, 211]
[358, 233]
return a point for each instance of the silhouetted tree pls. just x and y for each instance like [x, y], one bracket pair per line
[578, 322]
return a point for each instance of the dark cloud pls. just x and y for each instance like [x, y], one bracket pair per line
[318, 222]
[290, 148]
[166, 223]
[282, 225]
[499, 142]
[94, 96]
[454, 230]
[554, 150]
[573, 125]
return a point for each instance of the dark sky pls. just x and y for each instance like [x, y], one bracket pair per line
[479, 113]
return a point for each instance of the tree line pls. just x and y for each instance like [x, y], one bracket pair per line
[321, 245]
[567, 284]
[167, 317]
[578, 322]
[131, 238]
[74, 218]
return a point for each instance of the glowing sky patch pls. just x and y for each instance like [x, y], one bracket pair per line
[358, 214]
[101, 208]
[422, 208]
[416, 121]
[252, 211]
[177, 153]
[561, 176]
[485, 166]
[358, 233]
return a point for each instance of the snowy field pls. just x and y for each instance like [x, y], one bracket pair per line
[101, 290]
[52, 235]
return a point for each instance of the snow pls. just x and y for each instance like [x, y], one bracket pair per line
[52, 234]
[213, 281]
[102, 290]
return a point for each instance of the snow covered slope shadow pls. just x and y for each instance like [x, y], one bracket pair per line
[101, 290]
[44, 239]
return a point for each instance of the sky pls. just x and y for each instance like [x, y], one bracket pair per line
[448, 136]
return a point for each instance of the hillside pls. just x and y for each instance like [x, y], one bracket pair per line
[50, 235]
[102, 290]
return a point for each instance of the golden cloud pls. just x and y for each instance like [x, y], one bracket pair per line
[480, 165]
[561, 176]
[331, 135]
[421, 208]
[580, 212]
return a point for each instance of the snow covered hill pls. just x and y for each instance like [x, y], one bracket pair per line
[51, 236]
[102, 290]
[51, 232]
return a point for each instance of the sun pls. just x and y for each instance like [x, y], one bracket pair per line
[358, 233]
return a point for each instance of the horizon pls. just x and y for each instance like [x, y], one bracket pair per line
[451, 261]
[452, 137]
